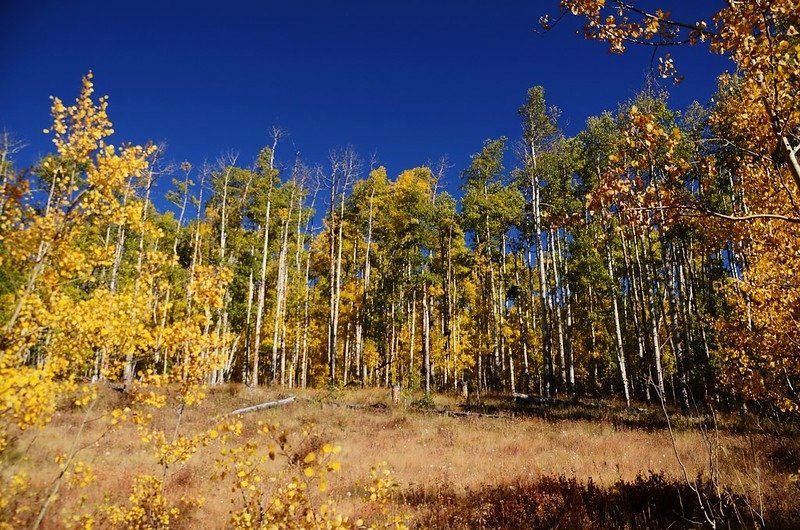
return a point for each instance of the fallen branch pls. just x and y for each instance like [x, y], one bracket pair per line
[445, 412]
[541, 400]
[262, 406]
[461, 414]
[533, 399]
[374, 406]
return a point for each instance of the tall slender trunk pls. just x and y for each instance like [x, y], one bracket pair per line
[298, 268]
[362, 320]
[654, 303]
[679, 346]
[120, 246]
[196, 257]
[184, 203]
[623, 371]
[426, 338]
[567, 303]
[222, 313]
[505, 347]
[280, 296]
[248, 350]
[331, 349]
[522, 321]
[337, 292]
[262, 287]
[558, 305]
[638, 311]
[389, 364]
[129, 361]
[412, 342]
[306, 319]
[448, 301]
[547, 345]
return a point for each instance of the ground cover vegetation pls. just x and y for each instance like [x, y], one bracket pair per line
[504, 465]
[650, 259]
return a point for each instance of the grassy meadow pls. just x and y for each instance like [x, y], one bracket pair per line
[502, 465]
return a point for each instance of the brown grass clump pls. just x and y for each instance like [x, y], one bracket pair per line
[651, 501]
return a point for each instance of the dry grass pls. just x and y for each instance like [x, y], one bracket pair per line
[465, 460]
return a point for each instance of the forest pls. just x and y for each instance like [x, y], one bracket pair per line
[648, 261]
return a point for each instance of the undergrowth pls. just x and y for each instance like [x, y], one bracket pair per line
[649, 501]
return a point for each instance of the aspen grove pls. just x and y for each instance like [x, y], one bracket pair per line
[651, 257]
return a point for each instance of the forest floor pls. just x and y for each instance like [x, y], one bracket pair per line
[567, 464]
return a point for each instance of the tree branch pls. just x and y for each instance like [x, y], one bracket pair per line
[262, 406]
[675, 23]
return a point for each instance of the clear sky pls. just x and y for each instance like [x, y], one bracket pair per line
[409, 81]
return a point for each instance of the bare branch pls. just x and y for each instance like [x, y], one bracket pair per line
[262, 406]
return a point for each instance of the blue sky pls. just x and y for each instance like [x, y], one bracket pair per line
[409, 81]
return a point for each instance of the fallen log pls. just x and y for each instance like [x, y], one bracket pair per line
[533, 399]
[467, 413]
[262, 406]
[356, 406]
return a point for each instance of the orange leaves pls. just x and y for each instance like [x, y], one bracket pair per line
[760, 37]
[667, 70]
[643, 182]
[651, 26]
[760, 336]
[619, 24]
